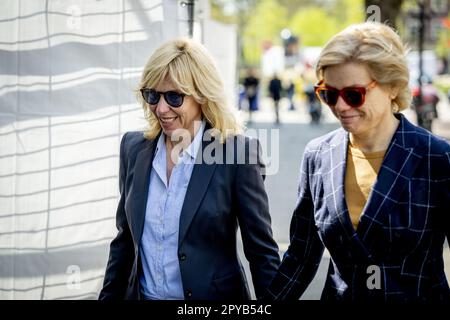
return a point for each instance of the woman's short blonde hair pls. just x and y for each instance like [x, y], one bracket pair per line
[380, 49]
[192, 70]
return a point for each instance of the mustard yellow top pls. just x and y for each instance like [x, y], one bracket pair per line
[361, 173]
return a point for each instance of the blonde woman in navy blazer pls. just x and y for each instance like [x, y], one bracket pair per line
[186, 184]
[393, 249]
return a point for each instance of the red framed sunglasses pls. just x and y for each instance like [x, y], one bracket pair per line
[353, 96]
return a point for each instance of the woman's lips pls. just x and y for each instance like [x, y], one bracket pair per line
[167, 119]
[348, 118]
[167, 122]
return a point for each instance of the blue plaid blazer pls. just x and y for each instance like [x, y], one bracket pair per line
[401, 232]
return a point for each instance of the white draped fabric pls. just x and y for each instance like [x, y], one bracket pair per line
[68, 71]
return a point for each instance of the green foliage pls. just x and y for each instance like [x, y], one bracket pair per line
[314, 24]
[218, 14]
[355, 12]
[293, 6]
[265, 24]
[442, 45]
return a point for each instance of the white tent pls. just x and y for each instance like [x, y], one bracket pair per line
[68, 74]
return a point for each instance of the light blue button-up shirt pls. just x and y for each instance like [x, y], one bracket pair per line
[161, 278]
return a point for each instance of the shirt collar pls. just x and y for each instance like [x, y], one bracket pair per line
[191, 150]
[160, 146]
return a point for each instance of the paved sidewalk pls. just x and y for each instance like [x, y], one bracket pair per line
[442, 125]
[442, 128]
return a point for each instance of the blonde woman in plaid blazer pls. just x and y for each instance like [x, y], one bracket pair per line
[391, 247]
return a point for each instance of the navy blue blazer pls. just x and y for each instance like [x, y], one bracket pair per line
[219, 197]
[401, 231]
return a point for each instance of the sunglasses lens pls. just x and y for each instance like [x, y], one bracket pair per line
[150, 96]
[173, 98]
[329, 96]
[354, 98]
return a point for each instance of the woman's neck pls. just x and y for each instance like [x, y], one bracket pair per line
[377, 138]
[183, 138]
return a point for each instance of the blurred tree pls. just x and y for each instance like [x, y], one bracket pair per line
[236, 12]
[263, 27]
[442, 45]
[220, 13]
[314, 26]
[232, 11]
[353, 11]
[259, 22]
[292, 6]
[389, 10]
[443, 42]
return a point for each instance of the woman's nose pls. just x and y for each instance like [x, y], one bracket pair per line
[162, 106]
[341, 105]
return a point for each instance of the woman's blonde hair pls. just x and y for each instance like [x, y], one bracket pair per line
[380, 49]
[192, 70]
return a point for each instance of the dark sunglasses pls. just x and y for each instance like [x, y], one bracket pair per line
[353, 96]
[173, 98]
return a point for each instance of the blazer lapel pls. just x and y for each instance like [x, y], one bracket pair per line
[198, 185]
[142, 169]
[334, 165]
[400, 162]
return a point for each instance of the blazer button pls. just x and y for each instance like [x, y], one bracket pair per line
[182, 257]
[188, 293]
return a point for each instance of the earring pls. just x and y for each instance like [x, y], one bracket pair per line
[395, 108]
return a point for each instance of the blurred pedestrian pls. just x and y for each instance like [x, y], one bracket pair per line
[425, 100]
[251, 85]
[312, 102]
[180, 202]
[275, 89]
[374, 192]
[290, 93]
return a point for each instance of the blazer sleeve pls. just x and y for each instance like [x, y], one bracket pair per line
[121, 249]
[445, 197]
[303, 256]
[260, 248]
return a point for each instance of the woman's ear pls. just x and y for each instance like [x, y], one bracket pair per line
[394, 92]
